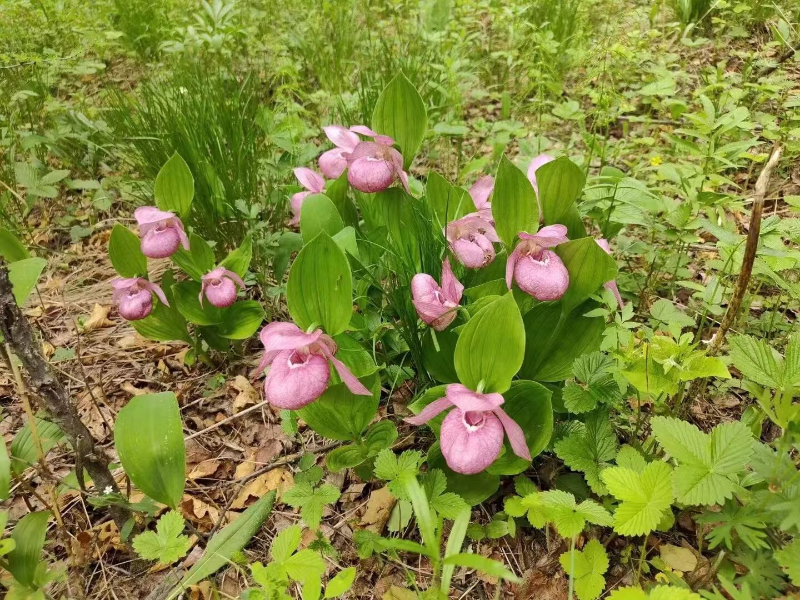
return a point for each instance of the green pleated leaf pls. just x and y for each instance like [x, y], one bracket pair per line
[337, 191]
[560, 183]
[491, 346]
[164, 324]
[11, 249]
[187, 301]
[319, 213]
[320, 288]
[5, 471]
[589, 268]
[198, 260]
[148, 436]
[23, 449]
[174, 188]
[23, 275]
[447, 201]
[400, 113]
[238, 260]
[340, 414]
[124, 250]
[28, 535]
[514, 205]
[240, 320]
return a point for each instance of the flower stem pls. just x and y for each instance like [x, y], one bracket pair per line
[571, 567]
[642, 553]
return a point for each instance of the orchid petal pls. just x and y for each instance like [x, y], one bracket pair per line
[452, 288]
[311, 180]
[466, 449]
[481, 190]
[341, 137]
[148, 216]
[333, 163]
[537, 162]
[430, 411]
[295, 381]
[277, 337]
[511, 265]
[469, 401]
[156, 289]
[515, 434]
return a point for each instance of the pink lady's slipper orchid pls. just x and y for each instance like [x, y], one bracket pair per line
[134, 297]
[219, 286]
[437, 306]
[471, 238]
[374, 166]
[537, 270]
[480, 192]
[314, 184]
[472, 433]
[299, 371]
[537, 162]
[333, 162]
[161, 232]
[610, 285]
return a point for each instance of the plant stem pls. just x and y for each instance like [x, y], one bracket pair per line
[642, 554]
[571, 567]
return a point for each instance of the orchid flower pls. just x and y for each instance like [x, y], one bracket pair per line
[437, 306]
[471, 238]
[219, 286]
[537, 162]
[314, 184]
[299, 371]
[134, 297]
[537, 270]
[333, 162]
[161, 232]
[374, 166]
[480, 192]
[610, 285]
[472, 433]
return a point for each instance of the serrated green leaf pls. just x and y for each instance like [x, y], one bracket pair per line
[590, 448]
[311, 500]
[757, 360]
[342, 582]
[286, 542]
[568, 516]
[166, 544]
[305, 565]
[644, 496]
[590, 564]
[788, 558]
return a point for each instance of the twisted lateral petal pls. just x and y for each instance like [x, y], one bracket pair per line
[430, 411]
[277, 337]
[148, 217]
[610, 285]
[381, 139]
[480, 192]
[515, 435]
[547, 237]
[470, 442]
[537, 162]
[310, 180]
[341, 137]
[350, 380]
[332, 163]
[296, 204]
[296, 379]
[156, 289]
[452, 288]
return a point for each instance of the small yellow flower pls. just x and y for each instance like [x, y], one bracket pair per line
[655, 160]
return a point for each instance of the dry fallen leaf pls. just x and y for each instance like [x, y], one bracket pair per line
[93, 414]
[379, 507]
[678, 558]
[129, 341]
[279, 479]
[247, 395]
[48, 349]
[202, 591]
[398, 593]
[205, 468]
[98, 319]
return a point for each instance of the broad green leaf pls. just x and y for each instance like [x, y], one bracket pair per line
[380, 436]
[174, 188]
[708, 464]
[528, 404]
[5, 472]
[514, 205]
[241, 320]
[11, 249]
[238, 260]
[757, 361]
[482, 564]
[286, 543]
[447, 201]
[23, 275]
[339, 414]
[167, 544]
[337, 191]
[198, 260]
[226, 543]
[474, 489]
[342, 582]
[440, 362]
[560, 183]
[454, 542]
[590, 448]
[400, 113]
[320, 288]
[125, 252]
[589, 268]
[187, 301]
[491, 346]
[590, 564]
[164, 324]
[317, 214]
[554, 340]
[347, 241]
[344, 457]
[399, 214]
[23, 449]
[148, 436]
[644, 496]
[28, 535]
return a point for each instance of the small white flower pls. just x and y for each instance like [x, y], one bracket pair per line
[108, 489]
[182, 90]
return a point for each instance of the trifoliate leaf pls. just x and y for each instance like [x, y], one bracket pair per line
[736, 522]
[286, 542]
[669, 315]
[590, 565]
[661, 592]
[311, 500]
[447, 504]
[166, 544]
[568, 516]
[391, 467]
[590, 448]
[708, 464]
[788, 558]
[305, 565]
[644, 496]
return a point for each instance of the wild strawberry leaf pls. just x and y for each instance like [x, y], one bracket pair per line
[587, 568]
[644, 496]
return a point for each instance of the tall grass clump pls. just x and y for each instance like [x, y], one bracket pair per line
[691, 11]
[209, 117]
[144, 24]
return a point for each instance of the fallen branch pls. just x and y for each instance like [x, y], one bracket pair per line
[43, 383]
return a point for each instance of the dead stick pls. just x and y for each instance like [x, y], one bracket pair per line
[18, 334]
